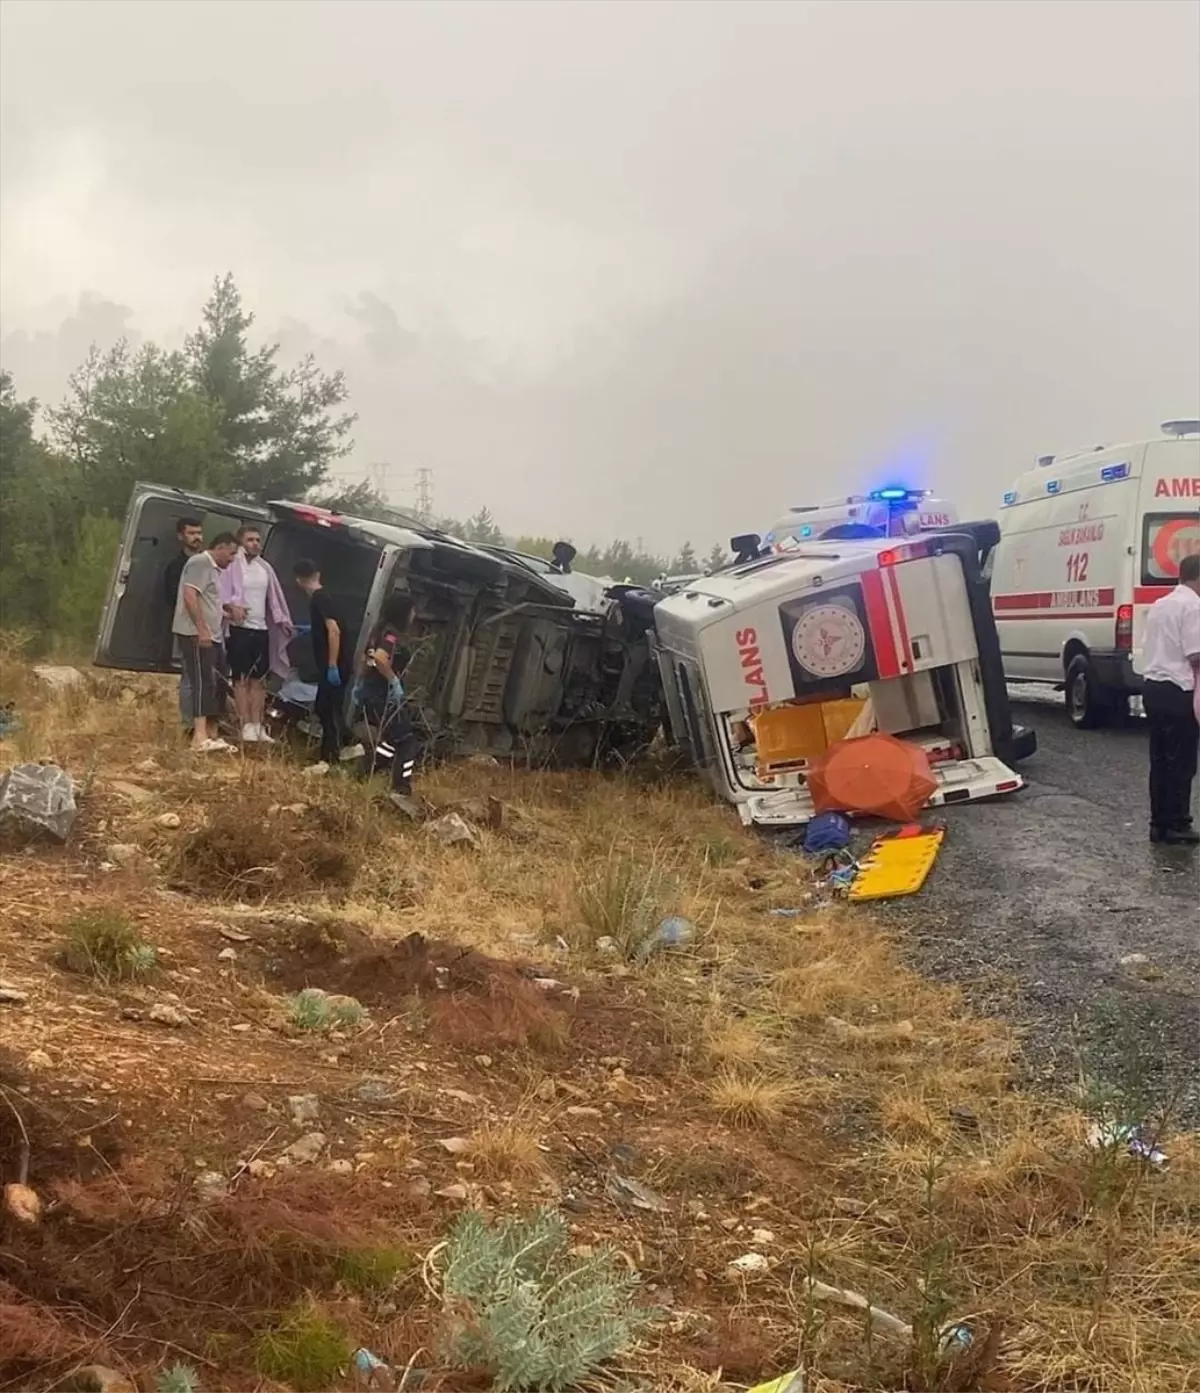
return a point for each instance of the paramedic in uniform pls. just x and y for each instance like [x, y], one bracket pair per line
[1171, 663]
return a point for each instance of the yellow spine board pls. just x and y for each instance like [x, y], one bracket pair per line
[896, 866]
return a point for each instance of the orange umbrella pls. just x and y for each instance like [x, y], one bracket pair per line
[872, 774]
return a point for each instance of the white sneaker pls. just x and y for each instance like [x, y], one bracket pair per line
[262, 737]
[213, 746]
[250, 734]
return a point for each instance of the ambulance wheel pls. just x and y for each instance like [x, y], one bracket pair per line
[1086, 705]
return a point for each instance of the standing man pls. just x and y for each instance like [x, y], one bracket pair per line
[332, 657]
[260, 627]
[198, 627]
[562, 557]
[190, 533]
[381, 693]
[1171, 661]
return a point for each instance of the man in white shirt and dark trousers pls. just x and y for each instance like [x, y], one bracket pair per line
[1171, 669]
[260, 627]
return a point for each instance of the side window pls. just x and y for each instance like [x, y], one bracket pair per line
[1166, 539]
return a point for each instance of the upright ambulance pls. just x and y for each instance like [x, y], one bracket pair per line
[887, 512]
[1087, 544]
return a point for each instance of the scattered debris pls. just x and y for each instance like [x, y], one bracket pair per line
[842, 1296]
[165, 1014]
[1128, 1134]
[37, 798]
[827, 832]
[368, 1367]
[672, 932]
[621, 1190]
[453, 830]
[234, 935]
[227, 955]
[12, 996]
[168, 820]
[454, 1145]
[791, 1382]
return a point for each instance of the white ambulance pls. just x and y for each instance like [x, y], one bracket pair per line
[887, 512]
[766, 664]
[1087, 544]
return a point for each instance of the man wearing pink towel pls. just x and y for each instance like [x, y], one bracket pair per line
[260, 628]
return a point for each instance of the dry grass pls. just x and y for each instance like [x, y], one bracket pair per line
[784, 1075]
[508, 1150]
[751, 1100]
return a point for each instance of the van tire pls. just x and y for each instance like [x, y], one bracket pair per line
[1086, 705]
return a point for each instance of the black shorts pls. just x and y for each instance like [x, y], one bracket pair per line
[206, 669]
[249, 653]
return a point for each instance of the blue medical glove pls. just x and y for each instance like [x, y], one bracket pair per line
[302, 628]
[333, 676]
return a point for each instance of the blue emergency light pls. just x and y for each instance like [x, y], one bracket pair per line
[1053, 486]
[1112, 472]
[894, 495]
[1010, 497]
[806, 530]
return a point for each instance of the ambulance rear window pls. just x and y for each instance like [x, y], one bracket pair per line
[1166, 539]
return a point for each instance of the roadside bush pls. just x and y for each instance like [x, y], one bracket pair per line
[104, 944]
[523, 1307]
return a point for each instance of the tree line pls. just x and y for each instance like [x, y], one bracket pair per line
[216, 416]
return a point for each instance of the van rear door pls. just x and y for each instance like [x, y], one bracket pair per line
[135, 627]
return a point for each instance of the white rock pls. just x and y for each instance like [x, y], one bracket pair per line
[168, 820]
[306, 1149]
[748, 1263]
[210, 1186]
[227, 955]
[168, 1015]
[762, 1237]
[304, 1107]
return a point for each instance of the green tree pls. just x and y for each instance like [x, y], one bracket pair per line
[83, 580]
[280, 429]
[136, 415]
[482, 528]
[686, 563]
[38, 515]
[717, 558]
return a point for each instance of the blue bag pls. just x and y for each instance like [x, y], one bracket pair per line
[827, 832]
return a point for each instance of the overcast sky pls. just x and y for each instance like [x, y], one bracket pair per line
[632, 268]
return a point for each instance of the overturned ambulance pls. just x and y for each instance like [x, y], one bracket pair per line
[766, 664]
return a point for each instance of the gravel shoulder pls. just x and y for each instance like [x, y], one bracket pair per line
[1036, 900]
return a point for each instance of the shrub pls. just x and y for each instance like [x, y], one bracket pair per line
[623, 902]
[105, 944]
[522, 1306]
[304, 1348]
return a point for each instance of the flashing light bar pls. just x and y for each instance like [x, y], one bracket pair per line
[1112, 472]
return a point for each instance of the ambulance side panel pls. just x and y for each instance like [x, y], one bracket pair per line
[1061, 570]
[1167, 526]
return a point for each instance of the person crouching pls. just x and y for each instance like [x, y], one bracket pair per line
[392, 741]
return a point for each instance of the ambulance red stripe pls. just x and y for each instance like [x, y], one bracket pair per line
[893, 582]
[1052, 599]
[880, 624]
[1147, 594]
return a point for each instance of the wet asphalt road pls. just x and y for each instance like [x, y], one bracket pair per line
[1037, 897]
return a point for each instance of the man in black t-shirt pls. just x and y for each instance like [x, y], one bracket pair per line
[332, 655]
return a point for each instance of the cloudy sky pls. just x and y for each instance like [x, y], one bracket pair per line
[657, 269]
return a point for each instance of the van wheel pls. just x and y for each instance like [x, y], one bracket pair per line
[1085, 698]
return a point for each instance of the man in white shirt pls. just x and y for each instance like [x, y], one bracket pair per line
[258, 614]
[1171, 670]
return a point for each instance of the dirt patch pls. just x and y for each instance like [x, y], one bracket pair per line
[238, 853]
[69, 1139]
